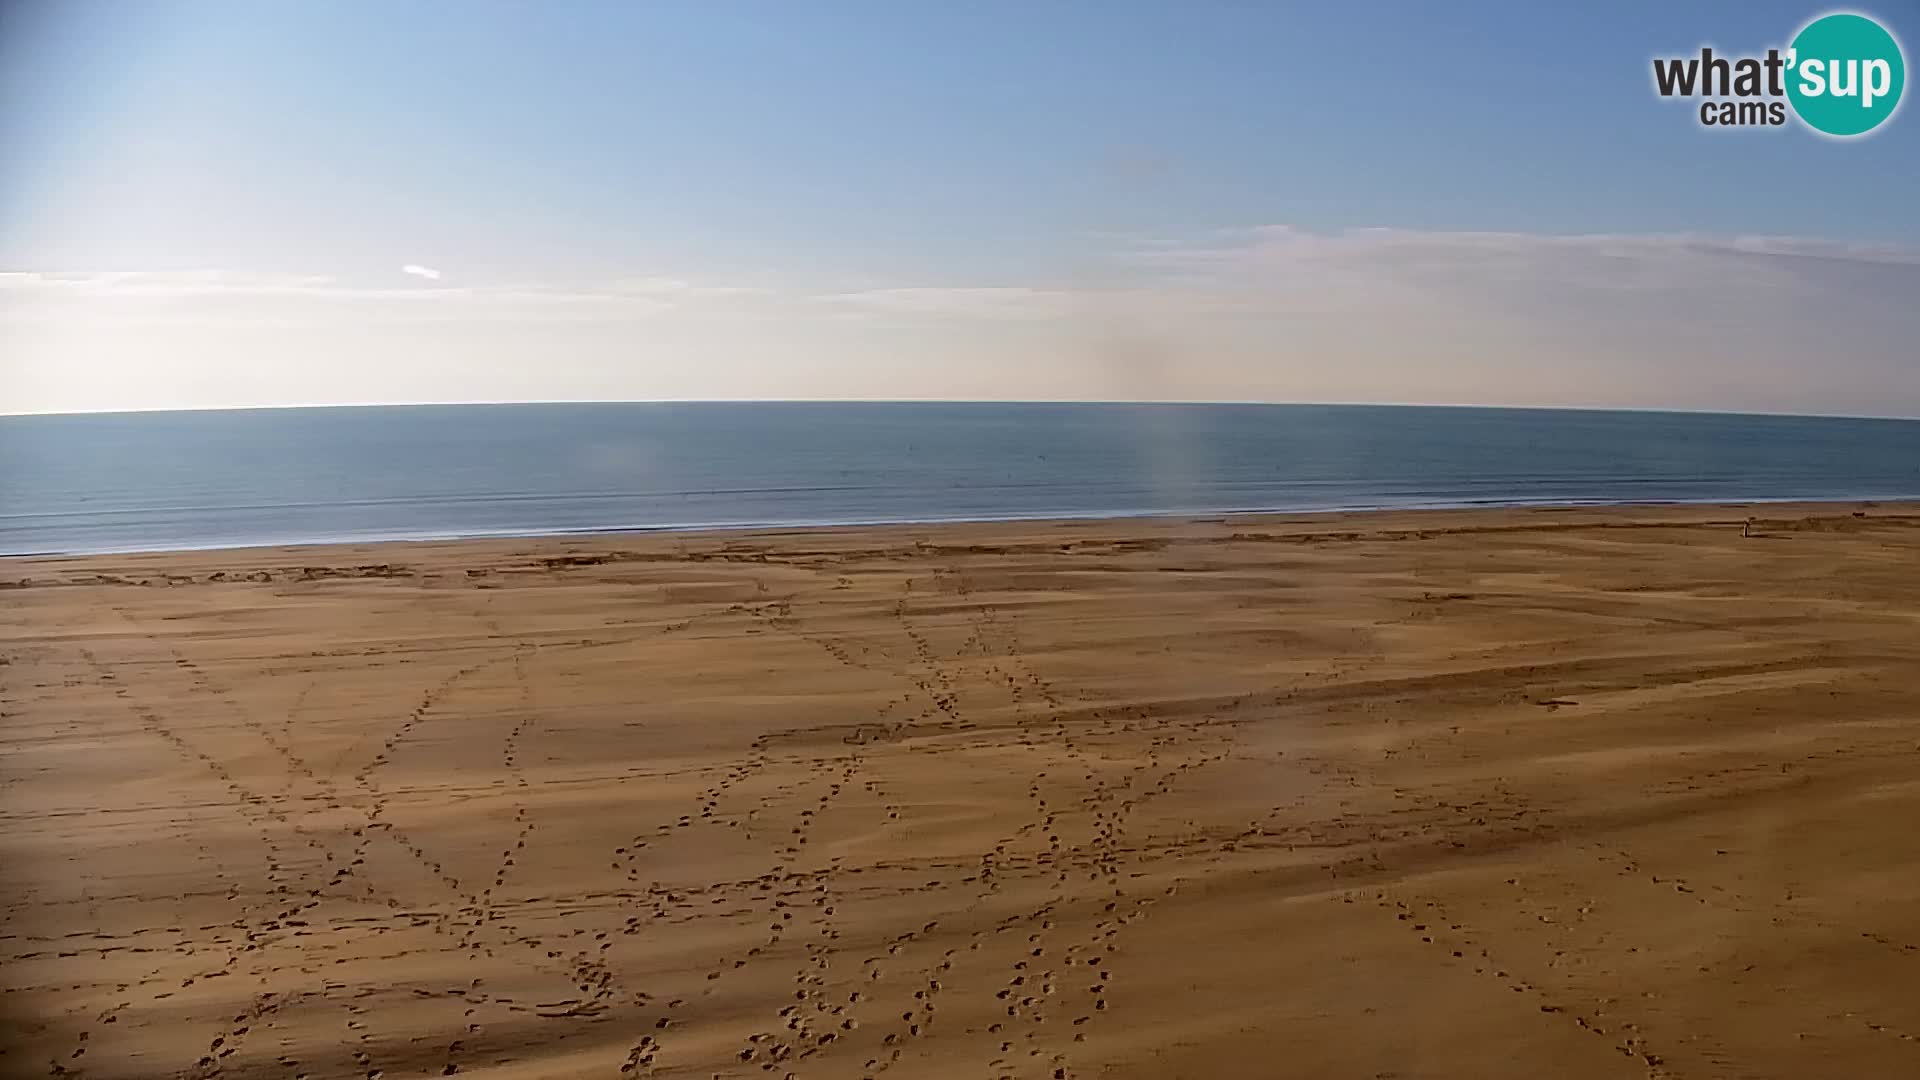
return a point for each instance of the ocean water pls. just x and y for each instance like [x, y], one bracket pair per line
[145, 481]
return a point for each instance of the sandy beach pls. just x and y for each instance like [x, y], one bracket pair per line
[1517, 793]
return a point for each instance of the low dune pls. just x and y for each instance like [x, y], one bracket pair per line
[1518, 793]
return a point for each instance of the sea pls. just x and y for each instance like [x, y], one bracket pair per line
[119, 482]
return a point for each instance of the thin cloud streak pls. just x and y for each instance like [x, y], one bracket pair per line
[1222, 264]
[225, 296]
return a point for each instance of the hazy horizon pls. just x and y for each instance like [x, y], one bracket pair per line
[217, 205]
[1468, 405]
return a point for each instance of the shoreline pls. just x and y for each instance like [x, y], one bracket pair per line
[1825, 505]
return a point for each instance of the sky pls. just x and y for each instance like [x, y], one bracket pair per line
[208, 204]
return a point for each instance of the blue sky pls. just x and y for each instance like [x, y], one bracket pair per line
[209, 204]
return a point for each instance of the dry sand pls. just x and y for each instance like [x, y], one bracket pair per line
[1590, 793]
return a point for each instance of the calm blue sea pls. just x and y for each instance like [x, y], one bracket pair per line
[140, 481]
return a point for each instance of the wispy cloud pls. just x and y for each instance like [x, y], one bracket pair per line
[1293, 242]
[1600, 260]
[981, 302]
[1273, 312]
[229, 296]
[1270, 267]
[678, 288]
[160, 283]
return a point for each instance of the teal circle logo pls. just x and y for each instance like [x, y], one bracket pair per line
[1845, 74]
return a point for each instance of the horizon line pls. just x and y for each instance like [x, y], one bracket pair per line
[1250, 403]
